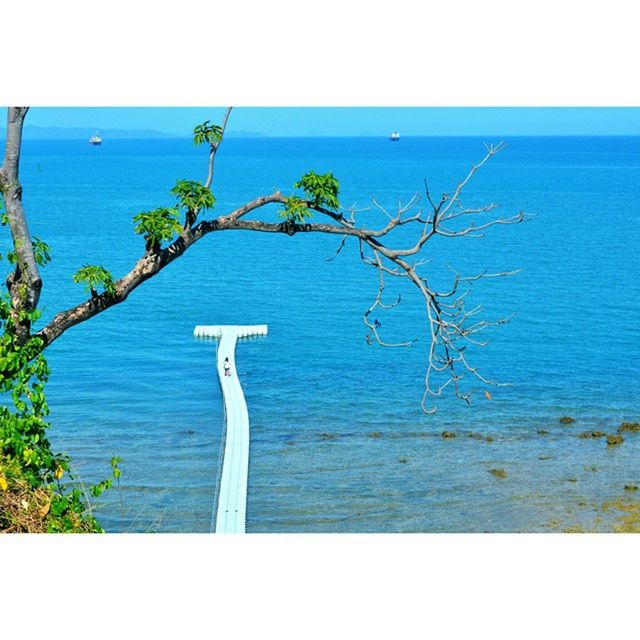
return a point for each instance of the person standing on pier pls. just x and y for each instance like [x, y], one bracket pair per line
[227, 367]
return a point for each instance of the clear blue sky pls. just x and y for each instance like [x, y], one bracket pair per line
[350, 121]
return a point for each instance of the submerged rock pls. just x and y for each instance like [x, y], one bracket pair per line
[633, 427]
[498, 473]
[567, 420]
[448, 434]
[328, 436]
[574, 528]
[592, 434]
[403, 461]
[375, 434]
[613, 440]
[628, 520]
[543, 432]
[479, 436]
[630, 487]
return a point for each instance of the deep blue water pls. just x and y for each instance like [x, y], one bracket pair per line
[133, 382]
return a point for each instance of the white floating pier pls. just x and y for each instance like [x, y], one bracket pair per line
[231, 507]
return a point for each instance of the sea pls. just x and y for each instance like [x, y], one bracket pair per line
[339, 442]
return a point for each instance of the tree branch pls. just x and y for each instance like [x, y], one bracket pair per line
[450, 326]
[213, 149]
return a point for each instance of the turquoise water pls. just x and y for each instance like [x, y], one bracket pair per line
[133, 382]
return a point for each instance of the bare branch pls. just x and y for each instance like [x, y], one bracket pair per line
[492, 150]
[472, 229]
[375, 325]
[340, 247]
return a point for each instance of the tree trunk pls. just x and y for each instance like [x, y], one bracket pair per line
[24, 283]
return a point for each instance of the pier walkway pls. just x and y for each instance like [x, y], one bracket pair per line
[231, 507]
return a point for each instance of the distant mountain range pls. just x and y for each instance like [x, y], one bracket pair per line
[31, 132]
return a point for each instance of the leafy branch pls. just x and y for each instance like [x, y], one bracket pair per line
[94, 276]
[321, 191]
[157, 226]
[207, 132]
[194, 197]
[295, 209]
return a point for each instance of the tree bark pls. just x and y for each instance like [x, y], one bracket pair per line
[154, 261]
[24, 283]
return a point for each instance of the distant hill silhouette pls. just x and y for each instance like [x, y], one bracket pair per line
[32, 132]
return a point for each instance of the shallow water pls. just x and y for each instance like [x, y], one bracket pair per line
[133, 382]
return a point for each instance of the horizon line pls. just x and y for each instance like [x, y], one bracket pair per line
[163, 135]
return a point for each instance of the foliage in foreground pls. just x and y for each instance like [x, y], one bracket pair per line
[41, 507]
[33, 496]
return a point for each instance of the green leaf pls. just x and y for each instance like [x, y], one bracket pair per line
[94, 276]
[295, 209]
[41, 251]
[157, 226]
[58, 506]
[321, 189]
[96, 491]
[193, 196]
[205, 132]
